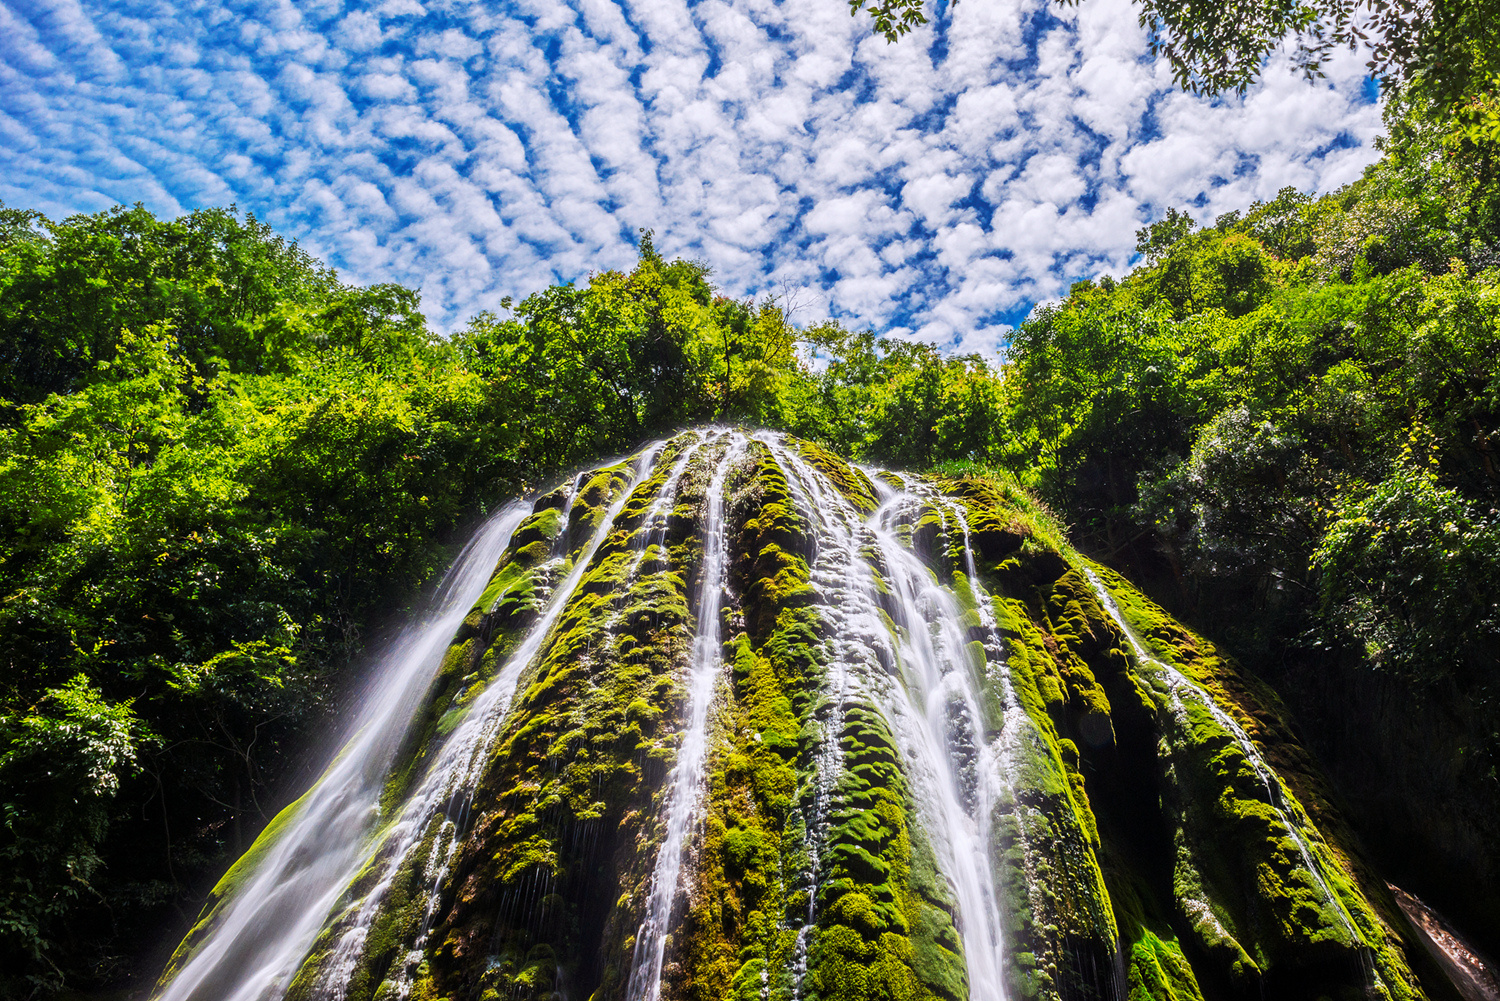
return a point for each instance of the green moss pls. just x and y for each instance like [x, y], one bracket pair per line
[228, 885]
[850, 481]
[509, 601]
[735, 937]
[1133, 816]
[1159, 971]
[1242, 880]
[868, 901]
[1043, 692]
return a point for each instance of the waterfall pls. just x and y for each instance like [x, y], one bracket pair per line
[262, 932]
[942, 731]
[686, 778]
[1019, 739]
[902, 658]
[653, 529]
[936, 677]
[1180, 686]
[835, 575]
[457, 767]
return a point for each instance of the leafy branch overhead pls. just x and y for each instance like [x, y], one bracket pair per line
[1445, 51]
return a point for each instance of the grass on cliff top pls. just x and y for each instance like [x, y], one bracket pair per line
[1045, 524]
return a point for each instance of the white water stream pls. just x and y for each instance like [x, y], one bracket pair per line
[685, 782]
[895, 639]
[262, 932]
[942, 731]
[836, 573]
[923, 681]
[1180, 686]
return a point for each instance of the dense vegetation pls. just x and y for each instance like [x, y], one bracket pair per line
[1286, 426]
[223, 472]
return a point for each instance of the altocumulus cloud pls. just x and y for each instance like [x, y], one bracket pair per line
[936, 188]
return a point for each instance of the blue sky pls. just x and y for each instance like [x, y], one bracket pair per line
[936, 188]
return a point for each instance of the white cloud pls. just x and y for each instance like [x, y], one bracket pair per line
[935, 188]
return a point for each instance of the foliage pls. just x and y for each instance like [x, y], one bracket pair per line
[1409, 570]
[1285, 423]
[59, 772]
[891, 18]
[1156, 239]
[897, 402]
[1441, 47]
[222, 471]
[231, 289]
[1443, 53]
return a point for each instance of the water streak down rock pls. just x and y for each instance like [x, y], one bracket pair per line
[735, 719]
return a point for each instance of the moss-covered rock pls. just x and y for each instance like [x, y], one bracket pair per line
[1154, 829]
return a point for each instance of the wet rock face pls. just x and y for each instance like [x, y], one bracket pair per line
[897, 739]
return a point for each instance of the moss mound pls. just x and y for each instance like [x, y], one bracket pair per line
[1152, 829]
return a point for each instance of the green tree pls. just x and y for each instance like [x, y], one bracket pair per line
[61, 764]
[1411, 571]
[68, 289]
[1152, 242]
[1445, 53]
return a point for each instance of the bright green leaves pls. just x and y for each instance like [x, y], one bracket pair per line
[613, 344]
[1095, 389]
[891, 18]
[88, 737]
[902, 403]
[1153, 241]
[1443, 54]
[757, 375]
[68, 289]
[1212, 271]
[634, 353]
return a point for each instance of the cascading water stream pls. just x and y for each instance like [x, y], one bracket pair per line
[653, 530]
[835, 576]
[457, 767]
[890, 664]
[446, 844]
[1179, 686]
[685, 780]
[1018, 740]
[941, 709]
[932, 653]
[267, 926]
[1015, 725]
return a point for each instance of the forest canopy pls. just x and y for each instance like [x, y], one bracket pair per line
[224, 472]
